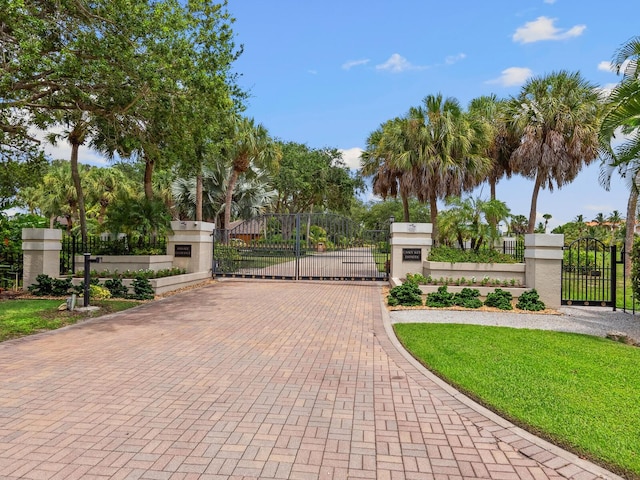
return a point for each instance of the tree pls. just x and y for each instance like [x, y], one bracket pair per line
[557, 118]
[311, 178]
[622, 117]
[518, 225]
[249, 144]
[501, 141]
[547, 217]
[385, 147]
[442, 154]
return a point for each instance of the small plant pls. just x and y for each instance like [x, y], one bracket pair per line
[417, 278]
[441, 298]
[99, 292]
[408, 294]
[47, 286]
[117, 289]
[499, 299]
[468, 298]
[142, 289]
[530, 300]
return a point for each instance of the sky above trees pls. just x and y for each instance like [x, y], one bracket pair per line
[329, 73]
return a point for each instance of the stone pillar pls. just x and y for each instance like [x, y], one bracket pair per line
[543, 266]
[41, 248]
[191, 245]
[410, 246]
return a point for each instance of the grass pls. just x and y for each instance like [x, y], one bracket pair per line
[578, 391]
[19, 318]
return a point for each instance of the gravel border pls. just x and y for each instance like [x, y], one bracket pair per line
[595, 321]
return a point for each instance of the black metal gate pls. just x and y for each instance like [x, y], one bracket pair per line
[589, 274]
[303, 246]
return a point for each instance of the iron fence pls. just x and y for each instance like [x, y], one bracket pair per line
[10, 270]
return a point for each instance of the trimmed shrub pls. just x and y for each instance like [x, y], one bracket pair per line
[47, 286]
[116, 287]
[468, 298]
[441, 298]
[499, 299]
[142, 289]
[530, 300]
[408, 294]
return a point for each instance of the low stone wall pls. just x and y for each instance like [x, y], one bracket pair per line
[493, 271]
[484, 291]
[164, 284]
[122, 263]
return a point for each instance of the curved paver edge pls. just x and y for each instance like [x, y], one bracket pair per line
[475, 406]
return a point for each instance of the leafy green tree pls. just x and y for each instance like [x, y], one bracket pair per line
[311, 179]
[377, 214]
[557, 117]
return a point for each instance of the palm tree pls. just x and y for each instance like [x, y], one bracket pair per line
[250, 144]
[622, 115]
[104, 186]
[492, 113]
[441, 152]
[557, 118]
[547, 217]
[378, 159]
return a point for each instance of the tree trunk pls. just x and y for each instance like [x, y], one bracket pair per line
[228, 199]
[534, 203]
[75, 175]
[405, 208]
[148, 176]
[199, 197]
[632, 206]
[492, 187]
[433, 207]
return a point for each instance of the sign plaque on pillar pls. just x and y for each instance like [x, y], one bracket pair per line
[411, 254]
[182, 251]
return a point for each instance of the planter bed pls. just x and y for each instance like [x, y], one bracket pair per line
[123, 263]
[494, 271]
[484, 290]
[164, 284]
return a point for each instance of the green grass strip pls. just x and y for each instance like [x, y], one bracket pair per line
[579, 391]
[26, 317]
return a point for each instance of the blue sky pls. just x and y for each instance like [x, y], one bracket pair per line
[329, 73]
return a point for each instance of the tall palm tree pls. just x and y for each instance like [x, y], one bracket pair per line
[249, 144]
[557, 118]
[442, 156]
[501, 141]
[623, 117]
[377, 162]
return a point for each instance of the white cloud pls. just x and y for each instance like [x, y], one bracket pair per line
[451, 59]
[605, 66]
[543, 28]
[312, 72]
[354, 63]
[606, 89]
[513, 76]
[397, 63]
[351, 157]
[550, 2]
[62, 150]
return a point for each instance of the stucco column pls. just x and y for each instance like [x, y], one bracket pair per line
[543, 266]
[191, 245]
[41, 248]
[410, 246]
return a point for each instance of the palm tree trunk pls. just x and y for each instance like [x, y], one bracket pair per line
[405, 208]
[433, 212]
[632, 205]
[199, 197]
[75, 175]
[492, 187]
[534, 203]
[228, 199]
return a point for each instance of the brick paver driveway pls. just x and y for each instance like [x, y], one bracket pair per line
[248, 380]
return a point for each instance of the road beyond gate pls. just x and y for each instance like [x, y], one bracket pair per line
[250, 380]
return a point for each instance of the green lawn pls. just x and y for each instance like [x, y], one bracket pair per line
[25, 317]
[578, 391]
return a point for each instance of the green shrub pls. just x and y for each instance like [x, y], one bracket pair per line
[47, 286]
[142, 289]
[468, 298]
[530, 300]
[456, 255]
[116, 287]
[408, 294]
[441, 298]
[499, 299]
[99, 292]
[227, 259]
[418, 278]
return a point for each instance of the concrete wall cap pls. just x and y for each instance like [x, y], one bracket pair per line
[416, 228]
